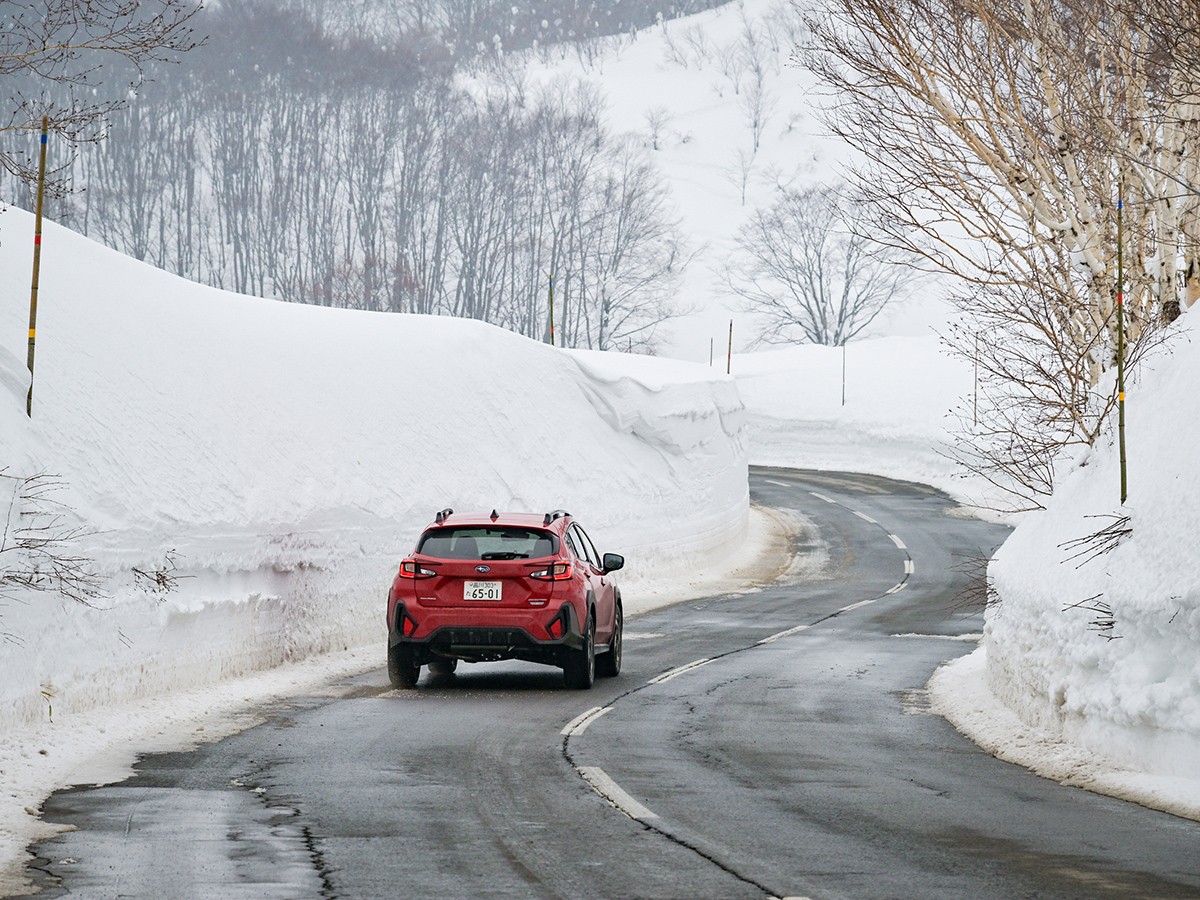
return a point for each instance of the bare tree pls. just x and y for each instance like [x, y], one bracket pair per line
[997, 139]
[53, 55]
[39, 542]
[631, 257]
[812, 277]
[656, 118]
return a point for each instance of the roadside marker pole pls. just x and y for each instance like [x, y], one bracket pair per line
[37, 263]
[729, 354]
[551, 310]
[1121, 342]
[843, 373]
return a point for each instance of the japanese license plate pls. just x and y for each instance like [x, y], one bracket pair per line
[482, 590]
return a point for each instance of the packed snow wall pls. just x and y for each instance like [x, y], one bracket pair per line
[249, 473]
[1095, 634]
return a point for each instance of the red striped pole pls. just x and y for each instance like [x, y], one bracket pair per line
[37, 263]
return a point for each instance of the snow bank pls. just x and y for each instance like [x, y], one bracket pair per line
[285, 457]
[896, 419]
[1130, 693]
[959, 691]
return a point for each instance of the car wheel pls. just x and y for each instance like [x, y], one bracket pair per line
[580, 668]
[442, 666]
[403, 670]
[609, 665]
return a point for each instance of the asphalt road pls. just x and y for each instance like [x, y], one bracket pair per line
[776, 743]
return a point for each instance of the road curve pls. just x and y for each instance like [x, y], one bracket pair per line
[776, 743]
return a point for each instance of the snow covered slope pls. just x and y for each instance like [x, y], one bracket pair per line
[689, 90]
[285, 457]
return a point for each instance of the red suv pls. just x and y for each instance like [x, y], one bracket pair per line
[505, 586]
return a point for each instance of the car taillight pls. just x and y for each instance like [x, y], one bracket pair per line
[559, 571]
[410, 569]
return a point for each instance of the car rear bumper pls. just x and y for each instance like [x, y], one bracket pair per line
[445, 635]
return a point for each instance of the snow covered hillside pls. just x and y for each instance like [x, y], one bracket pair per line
[728, 120]
[285, 457]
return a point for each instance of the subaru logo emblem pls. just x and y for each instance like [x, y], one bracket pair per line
[483, 568]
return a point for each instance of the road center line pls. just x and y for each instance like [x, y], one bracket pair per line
[582, 720]
[673, 673]
[864, 517]
[899, 543]
[611, 791]
[823, 497]
[777, 483]
[860, 603]
[909, 568]
[783, 634]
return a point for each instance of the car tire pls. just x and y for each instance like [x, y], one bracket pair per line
[579, 671]
[442, 667]
[609, 664]
[403, 670]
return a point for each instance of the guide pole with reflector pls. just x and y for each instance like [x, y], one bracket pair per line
[37, 262]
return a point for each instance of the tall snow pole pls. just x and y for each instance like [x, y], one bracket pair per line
[551, 279]
[710, 352]
[843, 373]
[37, 262]
[729, 354]
[1121, 339]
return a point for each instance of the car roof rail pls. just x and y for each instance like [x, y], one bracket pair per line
[443, 515]
[557, 514]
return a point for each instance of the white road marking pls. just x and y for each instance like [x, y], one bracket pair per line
[611, 791]
[909, 569]
[899, 543]
[858, 604]
[582, 719]
[674, 673]
[898, 587]
[777, 483]
[783, 634]
[864, 517]
[970, 638]
[823, 497]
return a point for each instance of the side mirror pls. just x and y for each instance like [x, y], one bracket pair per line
[612, 562]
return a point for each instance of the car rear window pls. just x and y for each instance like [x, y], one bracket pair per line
[487, 542]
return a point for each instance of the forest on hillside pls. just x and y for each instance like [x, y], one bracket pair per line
[380, 155]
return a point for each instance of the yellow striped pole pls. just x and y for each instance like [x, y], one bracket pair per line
[37, 263]
[1121, 342]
